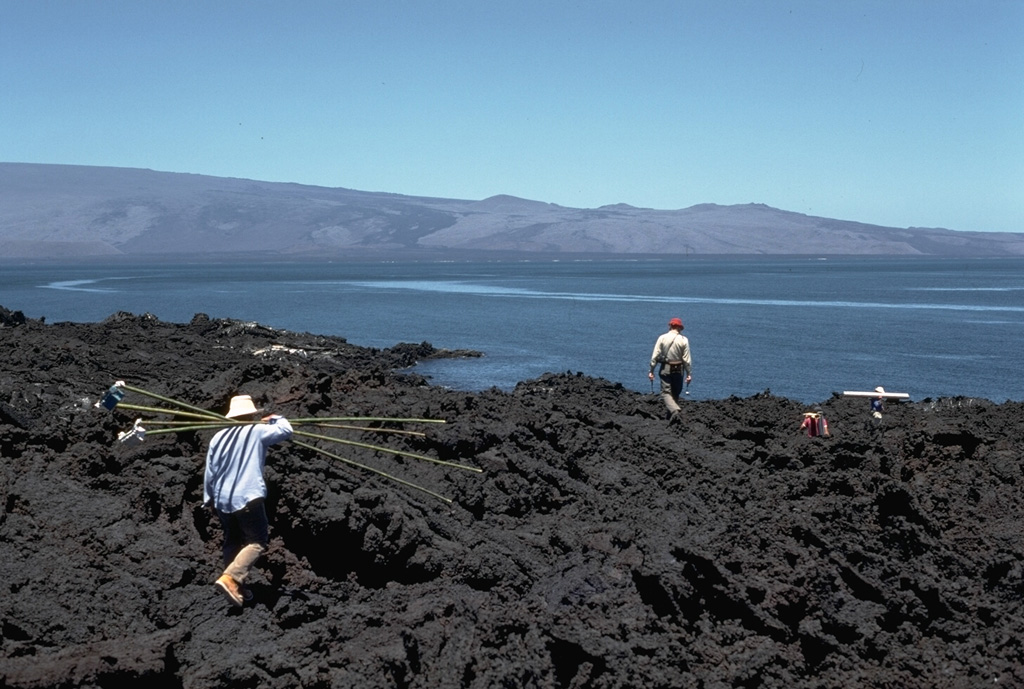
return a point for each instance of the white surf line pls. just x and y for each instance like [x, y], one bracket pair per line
[485, 290]
[76, 285]
[963, 289]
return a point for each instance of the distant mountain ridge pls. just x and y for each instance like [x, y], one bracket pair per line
[68, 212]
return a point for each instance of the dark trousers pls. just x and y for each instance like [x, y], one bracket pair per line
[671, 388]
[246, 536]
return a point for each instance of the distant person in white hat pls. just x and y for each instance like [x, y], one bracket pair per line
[672, 351]
[878, 405]
[233, 484]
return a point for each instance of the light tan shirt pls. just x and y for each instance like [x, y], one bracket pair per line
[672, 346]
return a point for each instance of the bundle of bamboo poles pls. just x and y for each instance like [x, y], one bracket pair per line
[192, 418]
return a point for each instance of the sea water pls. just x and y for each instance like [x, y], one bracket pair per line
[800, 327]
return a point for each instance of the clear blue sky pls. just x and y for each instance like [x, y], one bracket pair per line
[894, 112]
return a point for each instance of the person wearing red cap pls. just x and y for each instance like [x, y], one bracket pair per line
[672, 351]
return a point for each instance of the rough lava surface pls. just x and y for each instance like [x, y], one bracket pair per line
[600, 547]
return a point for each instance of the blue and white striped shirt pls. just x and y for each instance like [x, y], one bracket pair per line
[235, 460]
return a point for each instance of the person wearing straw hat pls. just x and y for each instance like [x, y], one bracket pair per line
[233, 484]
[672, 351]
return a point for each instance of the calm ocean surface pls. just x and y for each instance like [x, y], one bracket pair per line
[802, 328]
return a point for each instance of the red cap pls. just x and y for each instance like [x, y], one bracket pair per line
[675, 322]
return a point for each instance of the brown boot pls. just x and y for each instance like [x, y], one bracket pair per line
[229, 587]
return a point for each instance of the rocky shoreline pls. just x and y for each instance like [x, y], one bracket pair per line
[600, 547]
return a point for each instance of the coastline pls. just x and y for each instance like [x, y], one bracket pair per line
[600, 547]
[845, 328]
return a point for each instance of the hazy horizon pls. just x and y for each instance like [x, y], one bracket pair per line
[895, 114]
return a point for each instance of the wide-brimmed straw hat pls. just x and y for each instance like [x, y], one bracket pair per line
[241, 405]
[880, 390]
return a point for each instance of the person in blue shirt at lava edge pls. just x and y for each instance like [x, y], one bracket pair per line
[233, 485]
